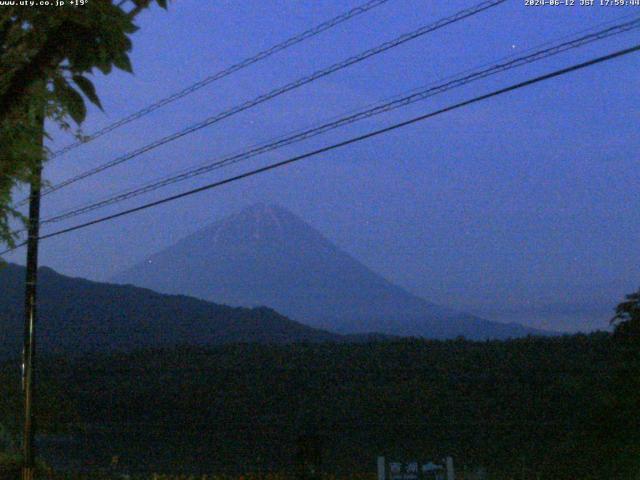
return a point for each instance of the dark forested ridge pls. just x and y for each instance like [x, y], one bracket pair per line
[78, 315]
[563, 408]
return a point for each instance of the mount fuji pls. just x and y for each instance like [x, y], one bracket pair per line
[267, 256]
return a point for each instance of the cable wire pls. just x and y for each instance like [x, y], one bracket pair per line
[353, 111]
[335, 146]
[224, 73]
[279, 91]
[415, 96]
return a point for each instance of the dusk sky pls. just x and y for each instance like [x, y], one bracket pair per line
[521, 208]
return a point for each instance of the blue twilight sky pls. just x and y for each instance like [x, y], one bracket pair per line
[521, 208]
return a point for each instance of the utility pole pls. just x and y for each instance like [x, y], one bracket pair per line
[29, 349]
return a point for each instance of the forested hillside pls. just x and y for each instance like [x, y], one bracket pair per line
[561, 407]
[78, 315]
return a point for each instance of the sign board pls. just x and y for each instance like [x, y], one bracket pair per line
[414, 470]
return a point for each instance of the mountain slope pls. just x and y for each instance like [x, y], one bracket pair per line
[79, 315]
[265, 255]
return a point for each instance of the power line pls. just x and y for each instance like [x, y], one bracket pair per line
[415, 96]
[224, 73]
[194, 171]
[281, 90]
[344, 143]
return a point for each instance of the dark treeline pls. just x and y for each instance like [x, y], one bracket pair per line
[557, 407]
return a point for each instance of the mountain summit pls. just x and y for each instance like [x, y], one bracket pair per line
[266, 255]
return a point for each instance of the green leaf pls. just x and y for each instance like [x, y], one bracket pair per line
[75, 105]
[103, 66]
[123, 63]
[71, 100]
[129, 27]
[88, 89]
